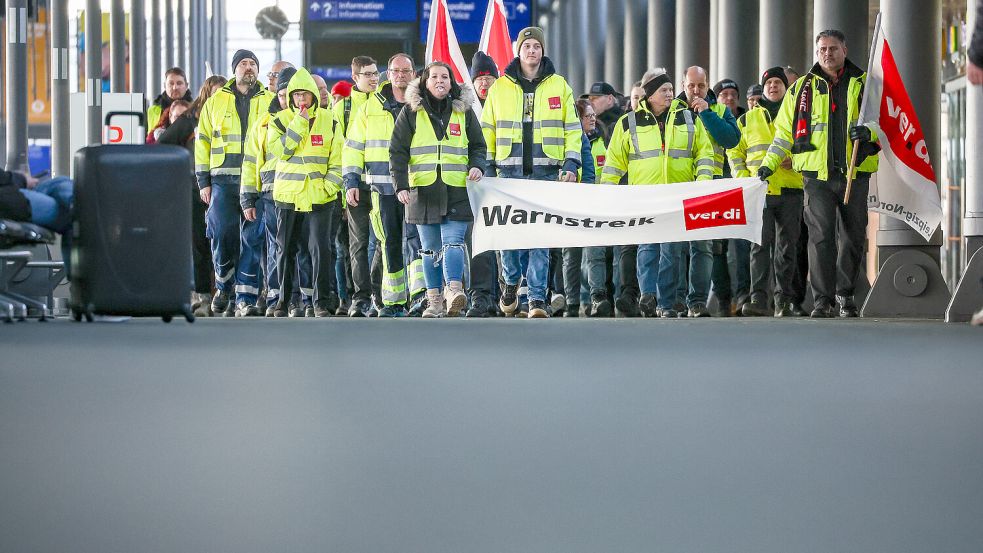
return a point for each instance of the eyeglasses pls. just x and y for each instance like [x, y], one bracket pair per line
[590, 116]
[369, 74]
[272, 75]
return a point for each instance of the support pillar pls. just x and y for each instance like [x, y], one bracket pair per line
[572, 48]
[61, 153]
[636, 43]
[168, 34]
[93, 72]
[782, 44]
[154, 84]
[614, 67]
[738, 40]
[851, 17]
[182, 37]
[909, 281]
[968, 294]
[214, 34]
[117, 46]
[596, 13]
[138, 52]
[692, 38]
[196, 71]
[661, 43]
[714, 23]
[16, 75]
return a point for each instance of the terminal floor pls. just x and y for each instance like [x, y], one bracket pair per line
[338, 435]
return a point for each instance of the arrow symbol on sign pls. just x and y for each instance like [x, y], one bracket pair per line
[315, 7]
[521, 8]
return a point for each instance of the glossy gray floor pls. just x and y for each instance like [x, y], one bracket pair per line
[491, 436]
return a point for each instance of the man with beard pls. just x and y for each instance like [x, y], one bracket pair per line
[223, 129]
[175, 88]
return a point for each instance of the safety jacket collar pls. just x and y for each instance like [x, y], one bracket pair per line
[165, 101]
[514, 69]
[849, 71]
[711, 98]
[303, 81]
[462, 96]
[232, 89]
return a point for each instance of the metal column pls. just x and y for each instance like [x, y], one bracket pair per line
[154, 84]
[223, 50]
[909, 280]
[182, 36]
[635, 44]
[662, 45]
[16, 75]
[213, 35]
[713, 69]
[614, 70]
[851, 17]
[168, 34]
[968, 295]
[574, 49]
[138, 51]
[596, 13]
[738, 40]
[692, 39]
[93, 72]
[196, 67]
[551, 26]
[783, 44]
[117, 46]
[61, 153]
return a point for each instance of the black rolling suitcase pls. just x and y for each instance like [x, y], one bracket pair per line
[131, 252]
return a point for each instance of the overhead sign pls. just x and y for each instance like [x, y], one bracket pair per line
[378, 11]
[468, 17]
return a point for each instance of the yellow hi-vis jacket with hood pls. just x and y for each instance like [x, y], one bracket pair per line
[639, 148]
[222, 133]
[556, 127]
[259, 162]
[813, 160]
[757, 134]
[308, 173]
[346, 110]
[365, 157]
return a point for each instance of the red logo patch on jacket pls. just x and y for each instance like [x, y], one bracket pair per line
[317, 140]
[455, 129]
[600, 161]
[555, 102]
[715, 210]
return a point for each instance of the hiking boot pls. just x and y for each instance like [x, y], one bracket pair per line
[537, 310]
[798, 311]
[572, 311]
[668, 313]
[359, 308]
[309, 311]
[418, 306]
[824, 309]
[626, 305]
[435, 304]
[648, 305]
[848, 309]
[509, 301]
[343, 307]
[698, 310]
[324, 308]
[261, 301]
[220, 302]
[202, 304]
[246, 309]
[755, 308]
[281, 309]
[599, 307]
[297, 310]
[558, 302]
[393, 311]
[454, 298]
[783, 309]
[480, 307]
[271, 310]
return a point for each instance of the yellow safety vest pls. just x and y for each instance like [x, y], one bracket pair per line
[366, 151]
[259, 161]
[450, 154]
[637, 149]
[308, 171]
[757, 133]
[220, 144]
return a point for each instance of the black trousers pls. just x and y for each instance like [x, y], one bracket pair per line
[801, 264]
[322, 224]
[627, 259]
[834, 260]
[201, 247]
[358, 247]
[782, 219]
[484, 270]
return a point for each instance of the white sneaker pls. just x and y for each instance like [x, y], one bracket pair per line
[558, 302]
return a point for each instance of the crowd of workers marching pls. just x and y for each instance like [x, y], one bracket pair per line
[353, 201]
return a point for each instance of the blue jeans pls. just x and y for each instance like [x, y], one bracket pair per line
[222, 225]
[51, 207]
[253, 235]
[658, 270]
[700, 267]
[443, 245]
[537, 267]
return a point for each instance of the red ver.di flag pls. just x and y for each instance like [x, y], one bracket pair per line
[914, 196]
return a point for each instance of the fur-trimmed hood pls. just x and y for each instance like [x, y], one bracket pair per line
[462, 96]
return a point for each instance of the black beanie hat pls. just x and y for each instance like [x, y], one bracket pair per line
[724, 85]
[241, 55]
[655, 84]
[283, 79]
[482, 64]
[772, 72]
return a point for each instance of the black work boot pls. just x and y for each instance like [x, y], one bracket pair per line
[848, 309]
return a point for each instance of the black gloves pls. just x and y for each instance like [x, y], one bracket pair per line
[860, 133]
[764, 173]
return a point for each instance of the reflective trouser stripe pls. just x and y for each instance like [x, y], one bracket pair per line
[417, 283]
[393, 281]
[243, 289]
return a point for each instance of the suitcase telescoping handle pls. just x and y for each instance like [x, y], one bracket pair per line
[114, 135]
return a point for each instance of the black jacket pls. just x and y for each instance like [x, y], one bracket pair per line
[13, 204]
[429, 204]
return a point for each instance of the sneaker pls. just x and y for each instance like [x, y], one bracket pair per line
[523, 310]
[824, 309]
[393, 311]
[739, 309]
[558, 302]
[798, 311]
[698, 310]
[977, 319]
[261, 301]
[572, 311]
[359, 308]
[480, 307]
[648, 305]
[202, 304]
[435, 305]
[669, 313]
[626, 305]
[324, 308]
[599, 307]
[343, 307]
[418, 306]
[509, 301]
[281, 309]
[755, 308]
[537, 310]
[271, 310]
[297, 310]
[848, 309]
[454, 298]
[245, 309]
[221, 302]
[309, 311]
[783, 309]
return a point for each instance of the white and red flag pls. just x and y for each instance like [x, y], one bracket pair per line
[495, 39]
[442, 42]
[913, 196]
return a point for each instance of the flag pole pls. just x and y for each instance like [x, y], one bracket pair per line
[863, 105]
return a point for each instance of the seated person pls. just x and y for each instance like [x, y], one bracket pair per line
[47, 203]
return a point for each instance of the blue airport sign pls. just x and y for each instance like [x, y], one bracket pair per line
[368, 11]
[469, 16]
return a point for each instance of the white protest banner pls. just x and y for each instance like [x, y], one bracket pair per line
[514, 214]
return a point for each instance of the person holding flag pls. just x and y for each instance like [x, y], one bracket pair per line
[815, 125]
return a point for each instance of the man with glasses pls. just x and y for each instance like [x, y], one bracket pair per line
[274, 73]
[365, 75]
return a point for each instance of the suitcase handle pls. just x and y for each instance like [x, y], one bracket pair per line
[141, 118]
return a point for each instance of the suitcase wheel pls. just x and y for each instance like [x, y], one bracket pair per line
[189, 315]
[166, 318]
